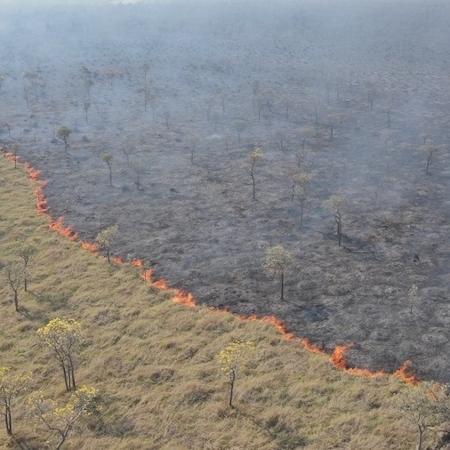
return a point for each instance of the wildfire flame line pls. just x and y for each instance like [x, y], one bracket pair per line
[338, 357]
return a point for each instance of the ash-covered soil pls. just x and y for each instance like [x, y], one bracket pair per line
[219, 83]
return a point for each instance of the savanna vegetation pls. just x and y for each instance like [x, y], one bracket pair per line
[151, 374]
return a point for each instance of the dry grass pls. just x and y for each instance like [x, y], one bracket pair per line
[155, 362]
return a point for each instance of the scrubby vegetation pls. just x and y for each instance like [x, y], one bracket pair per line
[155, 369]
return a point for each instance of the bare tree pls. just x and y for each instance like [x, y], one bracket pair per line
[127, 151]
[8, 127]
[137, 168]
[15, 148]
[430, 151]
[413, 295]
[276, 262]
[86, 107]
[26, 253]
[300, 190]
[107, 159]
[255, 156]
[336, 204]
[240, 126]
[14, 276]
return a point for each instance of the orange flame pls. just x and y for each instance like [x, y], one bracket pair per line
[161, 284]
[90, 247]
[310, 346]
[147, 275]
[337, 358]
[33, 173]
[62, 230]
[139, 263]
[404, 374]
[184, 298]
[118, 260]
[41, 200]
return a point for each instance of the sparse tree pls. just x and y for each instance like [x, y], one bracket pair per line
[14, 275]
[87, 78]
[240, 126]
[430, 151]
[64, 133]
[59, 420]
[300, 191]
[26, 253]
[86, 108]
[300, 155]
[336, 204]
[413, 295]
[425, 407]
[277, 261]
[264, 104]
[127, 151]
[137, 168]
[107, 159]
[8, 127]
[146, 89]
[231, 358]
[193, 149]
[280, 140]
[64, 338]
[255, 156]
[167, 119]
[286, 104]
[105, 239]
[15, 148]
[12, 384]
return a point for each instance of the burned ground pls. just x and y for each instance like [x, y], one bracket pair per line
[222, 81]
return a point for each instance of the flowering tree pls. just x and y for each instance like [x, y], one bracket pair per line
[231, 357]
[64, 338]
[62, 420]
[11, 385]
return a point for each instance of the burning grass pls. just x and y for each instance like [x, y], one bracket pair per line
[286, 396]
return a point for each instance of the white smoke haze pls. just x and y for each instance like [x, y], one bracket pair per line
[189, 87]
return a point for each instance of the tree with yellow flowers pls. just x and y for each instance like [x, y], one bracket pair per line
[231, 358]
[11, 385]
[63, 337]
[62, 420]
